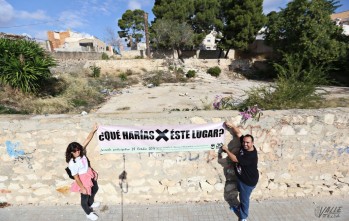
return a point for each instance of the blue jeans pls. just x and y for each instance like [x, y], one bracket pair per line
[244, 196]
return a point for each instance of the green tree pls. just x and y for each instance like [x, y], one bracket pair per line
[242, 20]
[132, 26]
[178, 10]
[170, 34]
[200, 15]
[24, 65]
[305, 28]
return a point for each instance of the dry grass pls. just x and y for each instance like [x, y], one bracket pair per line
[78, 95]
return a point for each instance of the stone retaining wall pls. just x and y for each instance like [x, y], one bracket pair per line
[143, 65]
[301, 153]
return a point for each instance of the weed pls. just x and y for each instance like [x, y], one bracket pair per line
[129, 72]
[79, 102]
[96, 71]
[180, 71]
[214, 71]
[105, 56]
[190, 74]
[123, 76]
[206, 104]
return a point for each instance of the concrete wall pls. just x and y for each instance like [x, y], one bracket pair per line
[77, 55]
[301, 153]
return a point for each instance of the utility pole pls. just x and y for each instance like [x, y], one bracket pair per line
[146, 34]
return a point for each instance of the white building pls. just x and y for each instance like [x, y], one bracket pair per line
[69, 41]
[209, 43]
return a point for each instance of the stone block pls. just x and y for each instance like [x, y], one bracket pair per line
[137, 182]
[219, 187]
[271, 175]
[206, 187]
[42, 191]
[272, 186]
[3, 178]
[198, 120]
[287, 131]
[329, 119]
[172, 190]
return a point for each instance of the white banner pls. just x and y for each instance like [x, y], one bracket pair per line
[138, 139]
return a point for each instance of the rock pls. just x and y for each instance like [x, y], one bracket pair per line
[42, 191]
[302, 132]
[198, 120]
[3, 178]
[166, 182]
[272, 186]
[219, 187]
[329, 119]
[212, 181]
[271, 175]
[287, 130]
[206, 187]
[137, 182]
[326, 176]
[174, 190]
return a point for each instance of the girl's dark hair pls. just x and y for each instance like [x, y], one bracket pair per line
[72, 147]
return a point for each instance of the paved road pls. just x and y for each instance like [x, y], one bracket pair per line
[271, 210]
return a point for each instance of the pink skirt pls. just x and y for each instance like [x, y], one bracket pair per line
[86, 180]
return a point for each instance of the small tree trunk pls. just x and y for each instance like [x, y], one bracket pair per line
[226, 54]
[179, 52]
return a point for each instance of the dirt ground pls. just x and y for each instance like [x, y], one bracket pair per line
[188, 96]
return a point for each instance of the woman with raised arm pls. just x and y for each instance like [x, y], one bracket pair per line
[85, 178]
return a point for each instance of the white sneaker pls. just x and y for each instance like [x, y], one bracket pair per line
[92, 216]
[95, 204]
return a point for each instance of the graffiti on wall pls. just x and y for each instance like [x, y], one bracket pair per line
[319, 152]
[19, 155]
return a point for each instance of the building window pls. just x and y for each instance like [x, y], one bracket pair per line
[208, 40]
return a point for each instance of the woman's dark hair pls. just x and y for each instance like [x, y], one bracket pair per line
[72, 147]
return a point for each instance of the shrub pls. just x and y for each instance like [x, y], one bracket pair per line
[129, 72]
[24, 65]
[154, 78]
[214, 71]
[105, 56]
[180, 71]
[96, 71]
[190, 74]
[123, 76]
[295, 86]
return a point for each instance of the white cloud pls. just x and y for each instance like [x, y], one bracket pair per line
[134, 5]
[6, 12]
[97, 6]
[71, 19]
[41, 35]
[38, 15]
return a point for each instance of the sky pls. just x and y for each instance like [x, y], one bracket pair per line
[91, 17]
